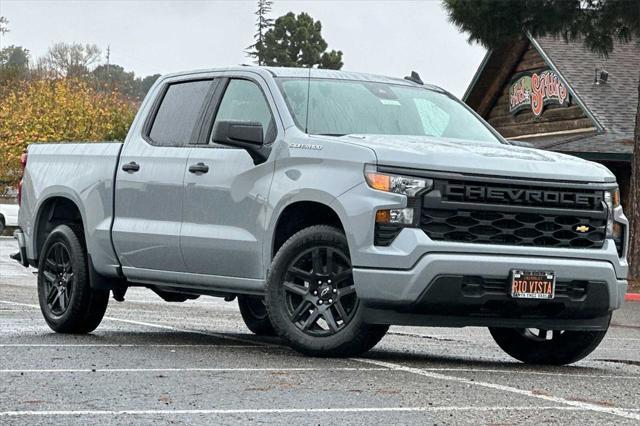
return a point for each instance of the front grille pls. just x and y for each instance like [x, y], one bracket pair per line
[520, 215]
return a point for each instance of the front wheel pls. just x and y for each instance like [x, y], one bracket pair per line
[67, 301]
[551, 347]
[311, 297]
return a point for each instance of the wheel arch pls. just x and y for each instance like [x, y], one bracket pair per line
[53, 211]
[298, 215]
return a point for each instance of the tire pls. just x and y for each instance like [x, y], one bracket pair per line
[1, 224]
[327, 323]
[67, 301]
[254, 314]
[531, 347]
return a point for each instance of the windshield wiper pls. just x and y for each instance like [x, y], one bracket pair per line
[332, 134]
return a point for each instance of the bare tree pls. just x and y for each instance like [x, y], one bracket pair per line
[69, 59]
[3, 25]
[3, 28]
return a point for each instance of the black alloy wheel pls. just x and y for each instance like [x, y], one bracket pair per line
[319, 292]
[58, 277]
[311, 297]
[68, 302]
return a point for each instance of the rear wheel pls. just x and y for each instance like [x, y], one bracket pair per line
[254, 314]
[311, 296]
[67, 301]
[552, 347]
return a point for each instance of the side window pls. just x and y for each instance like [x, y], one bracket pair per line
[179, 113]
[244, 101]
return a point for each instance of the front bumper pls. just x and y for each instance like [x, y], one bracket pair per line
[453, 289]
[417, 280]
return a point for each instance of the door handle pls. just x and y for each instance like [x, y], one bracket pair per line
[198, 168]
[131, 167]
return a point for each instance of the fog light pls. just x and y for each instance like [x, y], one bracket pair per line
[395, 216]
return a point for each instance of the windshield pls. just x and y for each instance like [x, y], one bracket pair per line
[340, 107]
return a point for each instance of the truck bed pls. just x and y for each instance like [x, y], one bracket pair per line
[83, 173]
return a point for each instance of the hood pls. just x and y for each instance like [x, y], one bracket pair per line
[471, 157]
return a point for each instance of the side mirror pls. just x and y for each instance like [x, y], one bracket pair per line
[242, 134]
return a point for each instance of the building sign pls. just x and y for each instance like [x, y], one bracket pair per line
[536, 90]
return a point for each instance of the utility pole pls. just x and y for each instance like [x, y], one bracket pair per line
[109, 66]
[108, 58]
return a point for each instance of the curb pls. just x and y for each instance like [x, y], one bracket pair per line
[632, 297]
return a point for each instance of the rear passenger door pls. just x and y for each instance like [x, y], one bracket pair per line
[149, 181]
[223, 213]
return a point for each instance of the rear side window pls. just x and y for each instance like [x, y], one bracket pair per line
[179, 113]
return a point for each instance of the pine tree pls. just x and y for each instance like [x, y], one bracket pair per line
[296, 41]
[263, 24]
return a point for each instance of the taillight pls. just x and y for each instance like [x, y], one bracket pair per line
[23, 165]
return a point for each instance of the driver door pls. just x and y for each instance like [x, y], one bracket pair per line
[225, 193]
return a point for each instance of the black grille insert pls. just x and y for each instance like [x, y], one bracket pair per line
[479, 286]
[578, 220]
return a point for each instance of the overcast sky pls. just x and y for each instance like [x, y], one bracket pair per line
[389, 37]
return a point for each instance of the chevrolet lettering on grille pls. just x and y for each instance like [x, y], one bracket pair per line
[491, 194]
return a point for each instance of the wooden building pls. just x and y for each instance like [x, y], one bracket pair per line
[563, 97]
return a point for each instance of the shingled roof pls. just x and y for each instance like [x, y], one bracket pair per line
[611, 105]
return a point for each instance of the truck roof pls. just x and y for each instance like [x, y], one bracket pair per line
[289, 72]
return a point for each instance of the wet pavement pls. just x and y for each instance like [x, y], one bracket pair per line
[195, 363]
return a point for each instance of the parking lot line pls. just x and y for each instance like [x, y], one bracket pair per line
[255, 343]
[187, 369]
[188, 330]
[564, 403]
[26, 305]
[535, 373]
[620, 412]
[163, 326]
[452, 338]
[285, 410]
[120, 345]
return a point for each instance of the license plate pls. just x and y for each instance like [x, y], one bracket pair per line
[533, 284]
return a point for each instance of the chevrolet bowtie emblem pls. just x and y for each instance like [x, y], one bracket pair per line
[583, 228]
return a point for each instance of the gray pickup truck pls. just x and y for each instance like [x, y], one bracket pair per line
[331, 205]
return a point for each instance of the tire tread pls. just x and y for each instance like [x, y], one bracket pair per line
[363, 336]
[570, 347]
[88, 305]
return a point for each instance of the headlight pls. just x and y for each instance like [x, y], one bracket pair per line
[405, 185]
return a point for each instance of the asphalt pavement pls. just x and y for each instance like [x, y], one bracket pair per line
[195, 363]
